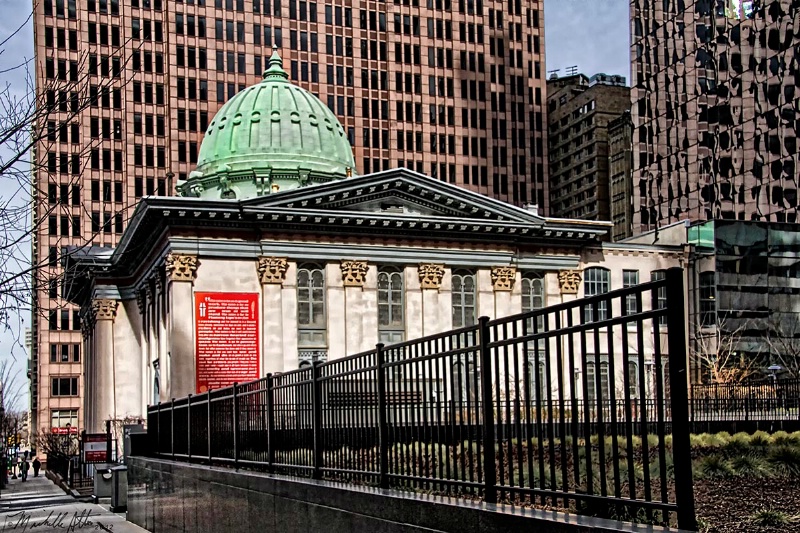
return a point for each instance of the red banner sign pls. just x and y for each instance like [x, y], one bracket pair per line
[64, 431]
[95, 448]
[226, 338]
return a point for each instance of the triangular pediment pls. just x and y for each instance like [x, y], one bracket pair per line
[400, 192]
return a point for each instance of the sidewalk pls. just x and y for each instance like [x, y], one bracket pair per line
[38, 503]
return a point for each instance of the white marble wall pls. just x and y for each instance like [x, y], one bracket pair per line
[120, 366]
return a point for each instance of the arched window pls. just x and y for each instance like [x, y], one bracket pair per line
[591, 380]
[532, 299]
[596, 280]
[391, 313]
[311, 320]
[463, 294]
[537, 390]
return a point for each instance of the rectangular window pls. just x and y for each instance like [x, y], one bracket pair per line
[660, 296]
[64, 420]
[391, 317]
[596, 282]
[629, 279]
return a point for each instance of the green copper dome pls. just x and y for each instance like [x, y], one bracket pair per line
[269, 137]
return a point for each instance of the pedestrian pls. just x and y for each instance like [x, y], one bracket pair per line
[23, 468]
[37, 464]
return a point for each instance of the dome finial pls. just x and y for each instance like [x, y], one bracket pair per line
[275, 70]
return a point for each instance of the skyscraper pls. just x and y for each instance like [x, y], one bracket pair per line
[715, 88]
[453, 89]
[579, 112]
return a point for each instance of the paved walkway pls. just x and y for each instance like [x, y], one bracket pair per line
[38, 504]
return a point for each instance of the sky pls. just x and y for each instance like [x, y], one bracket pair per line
[592, 34]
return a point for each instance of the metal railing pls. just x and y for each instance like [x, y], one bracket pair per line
[777, 400]
[565, 407]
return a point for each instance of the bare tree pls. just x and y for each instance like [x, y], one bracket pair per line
[41, 164]
[715, 352]
[782, 336]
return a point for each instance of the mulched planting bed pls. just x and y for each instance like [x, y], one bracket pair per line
[728, 505]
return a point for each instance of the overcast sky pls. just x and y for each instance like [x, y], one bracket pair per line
[592, 34]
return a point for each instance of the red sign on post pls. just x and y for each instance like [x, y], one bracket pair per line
[95, 448]
[226, 338]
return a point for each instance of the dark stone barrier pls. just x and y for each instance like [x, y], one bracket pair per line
[172, 497]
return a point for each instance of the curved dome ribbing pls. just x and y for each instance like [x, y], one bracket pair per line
[270, 136]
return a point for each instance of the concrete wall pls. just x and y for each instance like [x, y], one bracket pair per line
[165, 496]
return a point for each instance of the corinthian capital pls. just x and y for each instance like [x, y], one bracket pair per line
[430, 275]
[104, 309]
[181, 267]
[272, 269]
[503, 278]
[354, 273]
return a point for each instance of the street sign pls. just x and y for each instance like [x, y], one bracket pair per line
[95, 448]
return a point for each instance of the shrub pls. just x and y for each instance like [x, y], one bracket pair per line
[786, 459]
[781, 438]
[749, 465]
[771, 518]
[713, 466]
[737, 446]
[760, 438]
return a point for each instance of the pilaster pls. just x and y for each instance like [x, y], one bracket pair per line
[181, 272]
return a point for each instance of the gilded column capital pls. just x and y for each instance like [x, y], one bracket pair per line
[181, 267]
[503, 278]
[104, 309]
[430, 275]
[569, 281]
[354, 273]
[272, 269]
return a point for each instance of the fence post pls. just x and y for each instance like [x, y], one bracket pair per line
[316, 405]
[270, 424]
[158, 430]
[189, 427]
[383, 426]
[679, 399]
[208, 423]
[172, 428]
[489, 466]
[235, 426]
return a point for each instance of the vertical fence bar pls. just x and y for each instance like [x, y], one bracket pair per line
[489, 466]
[679, 399]
[208, 423]
[235, 426]
[189, 427]
[383, 426]
[158, 430]
[316, 405]
[172, 428]
[270, 424]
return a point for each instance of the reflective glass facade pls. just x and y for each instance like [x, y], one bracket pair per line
[715, 88]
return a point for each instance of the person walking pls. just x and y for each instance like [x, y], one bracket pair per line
[24, 466]
[37, 464]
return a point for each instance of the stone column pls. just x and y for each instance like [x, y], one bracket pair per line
[336, 311]
[181, 272]
[354, 277]
[569, 283]
[432, 281]
[128, 362]
[289, 318]
[413, 288]
[103, 386]
[484, 293]
[271, 274]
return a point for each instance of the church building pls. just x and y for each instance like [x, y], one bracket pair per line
[277, 254]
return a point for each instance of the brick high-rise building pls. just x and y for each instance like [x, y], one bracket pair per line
[715, 88]
[579, 112]
[454, 89]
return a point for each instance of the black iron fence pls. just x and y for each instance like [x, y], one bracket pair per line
[565, 407]
[771, 400]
